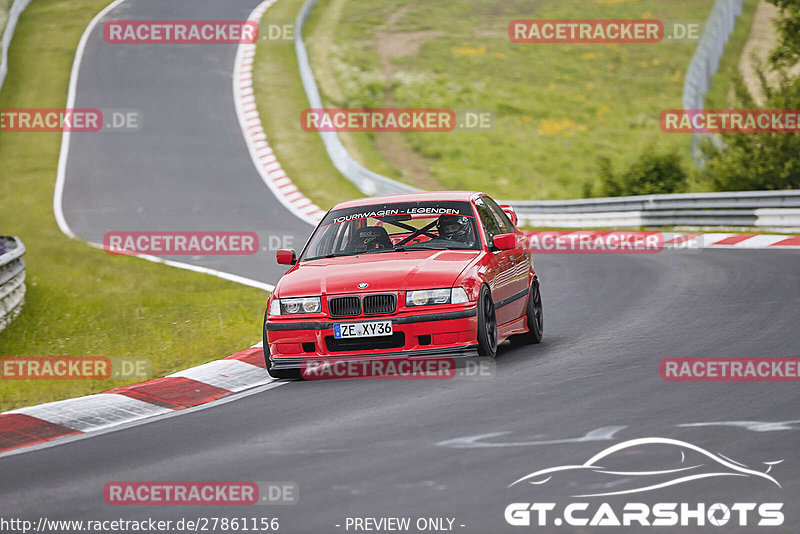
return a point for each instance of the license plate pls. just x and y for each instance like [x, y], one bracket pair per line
[375, 329]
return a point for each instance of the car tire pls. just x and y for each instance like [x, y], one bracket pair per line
[487, 324]
[535, 318]
[276, 373]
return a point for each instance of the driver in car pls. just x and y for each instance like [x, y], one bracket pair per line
[455, 228]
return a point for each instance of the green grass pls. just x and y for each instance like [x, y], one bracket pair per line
[558, 107]
[319, 38]
[5, 5]
[281, 99]
[81, 301]
[720, 93]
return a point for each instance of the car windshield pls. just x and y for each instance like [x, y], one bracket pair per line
[396, 227]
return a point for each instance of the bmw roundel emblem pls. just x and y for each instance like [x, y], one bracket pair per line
[362, 285]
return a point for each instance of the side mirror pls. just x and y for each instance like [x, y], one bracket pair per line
[286, 257]
[505, 241]
[508, 210]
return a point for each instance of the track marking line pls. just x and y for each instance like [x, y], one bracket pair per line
[169, 413]
[247, 113]
[58, 193]
[92, 412]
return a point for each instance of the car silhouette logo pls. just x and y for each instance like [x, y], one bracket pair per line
[708, 465]
[362, 285]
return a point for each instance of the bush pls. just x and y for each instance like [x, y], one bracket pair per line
[764, 161]
[652, 173]
[787, 53]
[757, 161]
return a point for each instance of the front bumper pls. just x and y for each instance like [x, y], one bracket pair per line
[441, 333]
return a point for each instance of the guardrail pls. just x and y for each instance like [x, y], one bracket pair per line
[705, 62]
[12, 279]
[367, 181]
[766, 209]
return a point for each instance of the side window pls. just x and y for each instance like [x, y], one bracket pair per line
[487, 220]
[502, 219]
[324, 242]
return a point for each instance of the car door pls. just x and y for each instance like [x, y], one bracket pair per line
[519, 264]
[499, 269]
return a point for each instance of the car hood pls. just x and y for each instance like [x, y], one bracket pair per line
[389, 271]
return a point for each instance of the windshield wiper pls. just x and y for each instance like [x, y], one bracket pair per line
[419, 246]
[326, 256]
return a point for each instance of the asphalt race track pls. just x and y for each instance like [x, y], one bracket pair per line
[367, 448]
[188, 167]
[411, 448]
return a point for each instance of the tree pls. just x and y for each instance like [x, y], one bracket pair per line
[763, 160]
[653, 173]
[788, 26]
[757, 161]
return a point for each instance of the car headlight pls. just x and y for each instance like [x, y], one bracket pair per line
[427, 297]
[295, 306]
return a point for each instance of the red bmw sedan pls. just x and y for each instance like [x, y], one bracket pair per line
[418, 275]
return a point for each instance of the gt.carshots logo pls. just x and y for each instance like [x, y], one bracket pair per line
[664, 514]
[610, 469]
